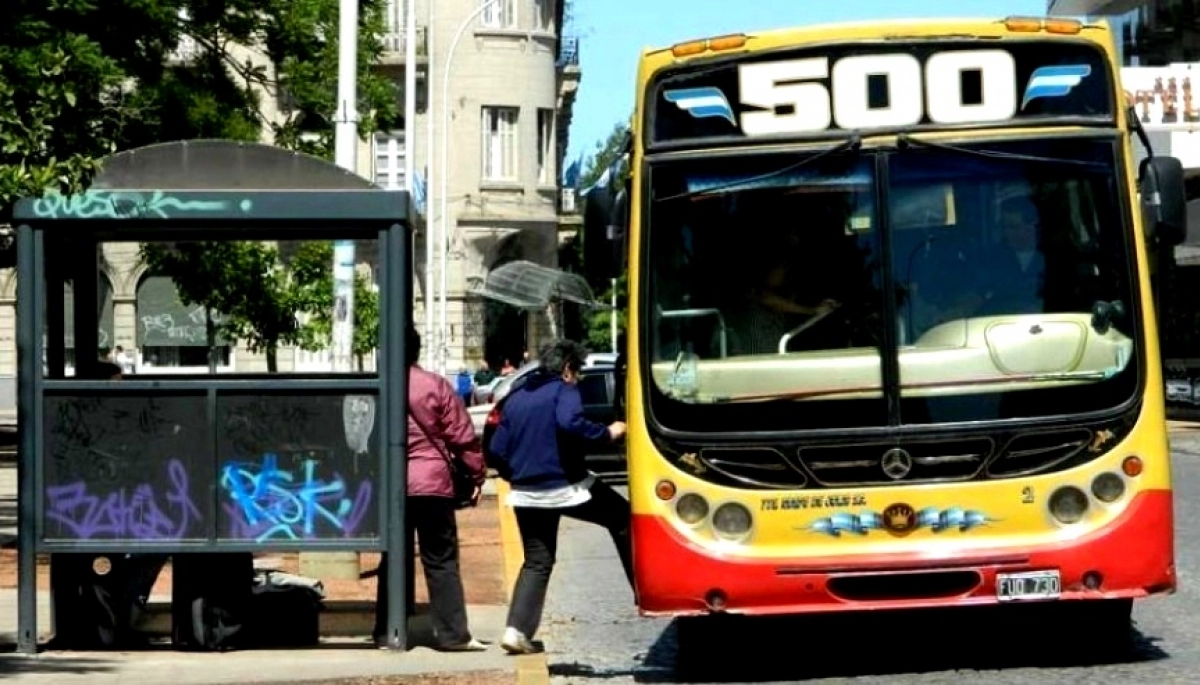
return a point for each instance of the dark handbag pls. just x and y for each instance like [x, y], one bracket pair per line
[460, 475]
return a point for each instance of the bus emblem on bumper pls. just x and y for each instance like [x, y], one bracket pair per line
[899, 519]
[896, 463]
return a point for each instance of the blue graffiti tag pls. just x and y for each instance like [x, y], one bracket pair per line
[99, 204]
[267, 502]
[120, 515]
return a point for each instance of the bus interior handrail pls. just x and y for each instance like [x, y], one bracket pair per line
[787, 337]
[699, 313]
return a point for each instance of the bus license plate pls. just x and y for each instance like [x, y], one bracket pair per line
[1034, 585]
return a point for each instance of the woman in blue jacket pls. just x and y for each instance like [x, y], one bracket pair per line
[543, 436]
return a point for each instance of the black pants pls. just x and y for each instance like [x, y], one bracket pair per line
[433, 520]
[97, 605]
[539, 537]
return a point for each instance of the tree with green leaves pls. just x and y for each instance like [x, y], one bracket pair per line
[61, 102]
[312, 278]
[213, 94]
[256, 298]
[599, 323]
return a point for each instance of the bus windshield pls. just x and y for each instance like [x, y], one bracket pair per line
[1007, 266]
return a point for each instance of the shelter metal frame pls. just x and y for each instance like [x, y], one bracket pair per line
[78, 224]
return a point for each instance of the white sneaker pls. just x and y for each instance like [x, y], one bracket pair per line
[471, 645]
[515, 642]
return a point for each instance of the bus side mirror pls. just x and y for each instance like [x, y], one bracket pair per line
[1164, 199]
[619, 229]
[605, 218]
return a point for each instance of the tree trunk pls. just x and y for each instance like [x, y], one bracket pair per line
[272, 350]
[210, 334]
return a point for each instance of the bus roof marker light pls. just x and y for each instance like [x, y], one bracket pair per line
[691, 47]
[730, 42]
[1023, 24]
[1066, 27]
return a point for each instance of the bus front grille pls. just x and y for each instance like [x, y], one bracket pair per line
[895, 464]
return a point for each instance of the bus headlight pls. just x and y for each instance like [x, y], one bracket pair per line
[1068, 504]
[691, 508]
[731, 521]
[1108, 487]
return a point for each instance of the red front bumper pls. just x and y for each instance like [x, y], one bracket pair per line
[1134, 556]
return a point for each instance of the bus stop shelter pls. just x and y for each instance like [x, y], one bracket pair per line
[206, 462]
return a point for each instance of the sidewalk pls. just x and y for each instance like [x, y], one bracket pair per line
[339, 659]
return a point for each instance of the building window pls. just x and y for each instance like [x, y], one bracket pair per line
[389, 160]
[172, 336]
[546, 144]
[543, 15]
[500, 15]
[186, 49]
[500, 143]
[394, 23]
[104, 336]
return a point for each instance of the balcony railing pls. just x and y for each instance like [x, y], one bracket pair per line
[185, 51]
[568, 52]
[394, 43]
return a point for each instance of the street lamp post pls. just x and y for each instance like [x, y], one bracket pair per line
[346, 156]
[430, 32]
[444, 348]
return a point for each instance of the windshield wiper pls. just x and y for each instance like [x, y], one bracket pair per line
[1090, 375]
[907, 141]
[853, 143]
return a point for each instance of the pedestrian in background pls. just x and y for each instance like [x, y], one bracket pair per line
[439, 431]
[464, 385]
[543, 436]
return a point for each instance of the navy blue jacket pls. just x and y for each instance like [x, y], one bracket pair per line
[543, 433]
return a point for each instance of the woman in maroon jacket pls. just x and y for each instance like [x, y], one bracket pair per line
[438, 427]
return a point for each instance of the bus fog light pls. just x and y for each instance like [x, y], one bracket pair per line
[731, 521]
[691, 508]
[1108, 487]
[1092, 580]
[1068, 504]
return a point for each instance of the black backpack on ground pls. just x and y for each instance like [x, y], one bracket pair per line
[211, 600]
[286, 611]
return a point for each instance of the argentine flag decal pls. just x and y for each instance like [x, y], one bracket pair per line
[1052, 82]
[702, 103]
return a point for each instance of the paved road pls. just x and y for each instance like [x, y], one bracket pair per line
[593, 634]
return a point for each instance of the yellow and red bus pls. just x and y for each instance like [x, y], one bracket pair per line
[892, 336]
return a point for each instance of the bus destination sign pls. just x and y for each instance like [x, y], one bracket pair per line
[812, 92]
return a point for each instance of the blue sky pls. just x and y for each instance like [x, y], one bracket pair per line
[612, 34]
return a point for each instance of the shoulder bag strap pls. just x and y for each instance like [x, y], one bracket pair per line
[437, 445]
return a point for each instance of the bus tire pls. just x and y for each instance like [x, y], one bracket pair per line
[1105, 627]
[707, 644]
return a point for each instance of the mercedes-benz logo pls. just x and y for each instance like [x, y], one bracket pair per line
[896, 463]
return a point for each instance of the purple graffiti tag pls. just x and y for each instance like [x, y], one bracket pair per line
[266, 502]
[120, 514]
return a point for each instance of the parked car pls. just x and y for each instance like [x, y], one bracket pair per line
[1179, 390]
[503, 385]
[500, 387]
[600, 359]
[598, 392]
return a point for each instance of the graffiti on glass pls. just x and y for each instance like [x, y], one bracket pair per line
[266, 502]
[143, 512]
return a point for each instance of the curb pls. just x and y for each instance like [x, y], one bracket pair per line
[532, 669]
